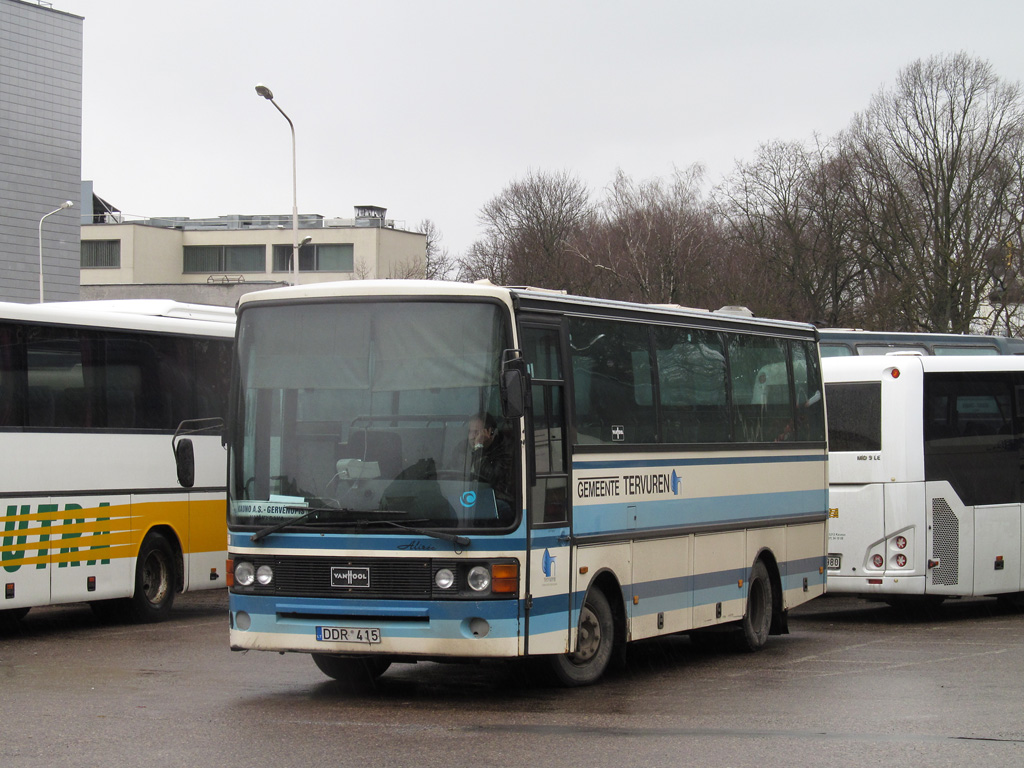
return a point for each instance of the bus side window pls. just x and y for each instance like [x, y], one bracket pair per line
[968, 421]
[810, 405]
[614, 396]
[692, 385]
[762, 410]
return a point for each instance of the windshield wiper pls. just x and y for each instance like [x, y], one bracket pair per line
[461, 541]
[309, 514]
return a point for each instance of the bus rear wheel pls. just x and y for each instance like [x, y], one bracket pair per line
[757, 621]
[357, 673]
[596, 641]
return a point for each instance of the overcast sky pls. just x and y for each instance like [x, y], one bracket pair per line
[430, 107]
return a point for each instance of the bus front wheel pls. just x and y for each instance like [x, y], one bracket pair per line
[757, 622]
[594, 648]
[357, 673]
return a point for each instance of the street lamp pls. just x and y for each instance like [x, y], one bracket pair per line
[267, 94]
[66, 204]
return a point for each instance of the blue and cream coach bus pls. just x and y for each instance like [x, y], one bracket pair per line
[425, 470]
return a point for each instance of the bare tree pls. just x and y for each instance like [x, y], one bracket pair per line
[529, 230]
[788, 211]
[938, 157]
[487, 259]
[650, 240]
[441, 265]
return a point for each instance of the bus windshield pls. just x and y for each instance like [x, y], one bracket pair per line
[372, 413]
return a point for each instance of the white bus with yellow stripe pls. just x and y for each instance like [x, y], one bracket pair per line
[658, 471]
[90, 508]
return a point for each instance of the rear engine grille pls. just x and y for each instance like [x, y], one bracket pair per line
[945, 544]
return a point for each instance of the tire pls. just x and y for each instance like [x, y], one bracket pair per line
[757, 621]
[354, 673]
[155, 581]
[595, 644]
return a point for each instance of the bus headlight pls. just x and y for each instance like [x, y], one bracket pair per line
[264, 575]
[479, 578]
[444, 578]
[245, 574]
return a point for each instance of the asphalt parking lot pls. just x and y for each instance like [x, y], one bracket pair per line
[855, 683]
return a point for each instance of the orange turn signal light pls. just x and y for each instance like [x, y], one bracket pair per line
[230, 573]
[504, 577]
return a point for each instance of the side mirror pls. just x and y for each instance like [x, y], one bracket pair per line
[513, 385]
[185, 462]
[185, 452]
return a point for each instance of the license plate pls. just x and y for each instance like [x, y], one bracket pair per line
[834, 561]
[368, 635]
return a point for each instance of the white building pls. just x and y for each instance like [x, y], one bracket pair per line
[213, 261]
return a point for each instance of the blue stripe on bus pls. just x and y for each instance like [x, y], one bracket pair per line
[665, 513]
[400, 611]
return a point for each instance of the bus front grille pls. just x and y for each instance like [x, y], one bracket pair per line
[401, 578]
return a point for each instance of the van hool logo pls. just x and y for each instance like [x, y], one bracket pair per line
[350, 577]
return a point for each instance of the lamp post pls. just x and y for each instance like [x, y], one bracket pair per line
[66, 204]
[267, 94]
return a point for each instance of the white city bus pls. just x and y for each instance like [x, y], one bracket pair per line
[90, 509]
[845, 342]
[925, 465]
[657, 471]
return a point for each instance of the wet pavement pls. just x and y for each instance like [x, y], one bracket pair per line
[855, 683]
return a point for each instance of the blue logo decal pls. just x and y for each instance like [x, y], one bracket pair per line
[676, 482]
[548, 564]
[468, 499]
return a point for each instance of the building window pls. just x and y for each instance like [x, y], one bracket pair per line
[204, 259]
[322, 257]
[101, 254]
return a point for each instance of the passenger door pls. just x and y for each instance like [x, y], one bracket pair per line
[549, 564]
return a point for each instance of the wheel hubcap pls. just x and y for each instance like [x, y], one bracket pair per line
[155, 578]
[590, 637]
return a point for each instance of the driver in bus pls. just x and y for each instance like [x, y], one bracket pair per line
[489, 460]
